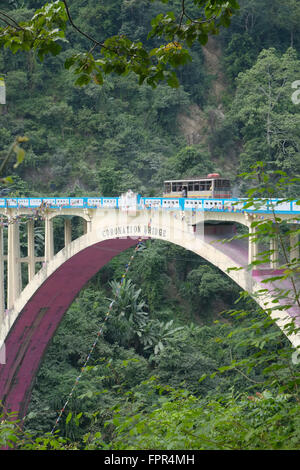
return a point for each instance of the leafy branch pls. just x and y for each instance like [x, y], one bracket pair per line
[20, 154]
[118, 54]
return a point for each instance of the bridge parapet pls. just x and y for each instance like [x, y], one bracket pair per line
[267, 206]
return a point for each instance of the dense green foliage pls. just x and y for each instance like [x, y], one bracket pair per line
[171, 371]
[118, 135]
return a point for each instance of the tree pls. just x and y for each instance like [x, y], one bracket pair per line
[128, 304]
[156, 335]
[263, 110]
[191, 160]
[13, 149]
[287, 17]
[259, 25]
[48, 28]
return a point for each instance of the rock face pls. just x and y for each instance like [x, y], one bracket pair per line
[195, 123]
[212, 53]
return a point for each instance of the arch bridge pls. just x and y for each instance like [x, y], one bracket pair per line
[37, 288]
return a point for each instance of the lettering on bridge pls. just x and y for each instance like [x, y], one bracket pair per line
[134, 231]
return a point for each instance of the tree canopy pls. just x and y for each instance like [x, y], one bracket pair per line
[267, 119]
[187, 22]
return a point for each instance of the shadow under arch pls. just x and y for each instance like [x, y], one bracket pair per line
[27, 340]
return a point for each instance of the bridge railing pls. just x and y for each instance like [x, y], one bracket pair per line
[183, 204]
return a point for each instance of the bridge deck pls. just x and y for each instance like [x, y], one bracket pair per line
[263, 206]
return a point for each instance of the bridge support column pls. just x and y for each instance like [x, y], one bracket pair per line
[14, 280]
[274, 253]
[68, 231]
[252, 245]
[2, 299]
[30, 250]
[85, 227]
[294, 247]
[49, 245]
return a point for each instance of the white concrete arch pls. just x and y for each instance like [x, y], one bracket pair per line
[172, 228]
[235, 217]
[31, 322]
[82, 213]
[67, 215]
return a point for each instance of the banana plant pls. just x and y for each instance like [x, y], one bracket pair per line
[128, 304]
[157, 335]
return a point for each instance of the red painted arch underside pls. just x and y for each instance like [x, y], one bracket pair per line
[38, 321]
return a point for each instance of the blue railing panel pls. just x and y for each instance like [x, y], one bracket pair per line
[279, 206]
